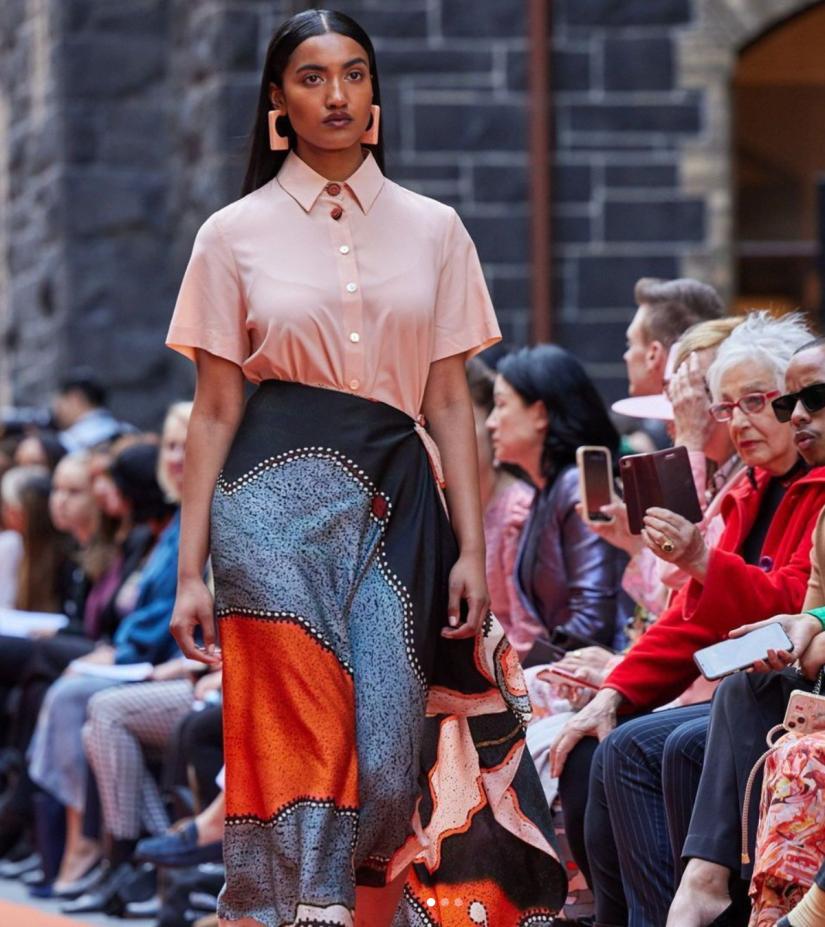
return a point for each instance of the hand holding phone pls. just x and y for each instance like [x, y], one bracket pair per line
[739, 653]
[558, 676]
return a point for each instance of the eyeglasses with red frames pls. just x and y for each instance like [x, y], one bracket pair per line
[750, 404]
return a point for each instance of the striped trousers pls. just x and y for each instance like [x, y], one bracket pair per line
[641, 788]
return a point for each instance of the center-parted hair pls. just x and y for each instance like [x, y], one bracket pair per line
[576, 412]
[263, 163]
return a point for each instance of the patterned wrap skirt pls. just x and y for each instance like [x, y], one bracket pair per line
[358, 740]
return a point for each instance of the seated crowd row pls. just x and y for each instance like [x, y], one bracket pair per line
[660, 815]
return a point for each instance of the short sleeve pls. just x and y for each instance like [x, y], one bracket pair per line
[464, 319]
[210, 312]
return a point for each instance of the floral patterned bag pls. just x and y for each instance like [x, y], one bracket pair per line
[790, 838]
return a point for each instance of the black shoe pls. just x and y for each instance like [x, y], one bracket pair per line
[90, 878]
[122, 884]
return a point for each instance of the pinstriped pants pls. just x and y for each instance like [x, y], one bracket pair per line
[126, 725]
[630, 848]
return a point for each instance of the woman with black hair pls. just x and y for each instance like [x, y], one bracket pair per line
[349, 606]
[545, 407]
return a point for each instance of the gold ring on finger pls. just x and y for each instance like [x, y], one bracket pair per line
[667, 546]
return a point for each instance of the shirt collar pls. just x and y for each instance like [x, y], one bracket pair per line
[304, 185]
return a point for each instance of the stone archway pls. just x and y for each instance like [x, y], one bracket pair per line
[707, 57]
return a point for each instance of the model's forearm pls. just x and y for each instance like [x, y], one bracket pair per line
[207, 444]
[451, 425]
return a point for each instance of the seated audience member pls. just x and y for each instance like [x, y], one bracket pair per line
[545, 408]
[506, 503]
[79, 409]
[760, 566]
[126, 726]
[666, 310]
[190, 842]
[40, 448]
[748, 705]
[56, 760]
[649, 580]
[24, 496]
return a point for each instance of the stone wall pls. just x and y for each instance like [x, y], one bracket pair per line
[123, 125]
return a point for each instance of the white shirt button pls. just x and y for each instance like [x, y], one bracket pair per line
[352, 287]
[354, 337]
[354, 384]
[344, 249]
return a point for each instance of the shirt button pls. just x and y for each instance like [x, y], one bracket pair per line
[333, 189]
[344, 249]
[354, 337]
[352, 287]
[354, 384]
[336, 212]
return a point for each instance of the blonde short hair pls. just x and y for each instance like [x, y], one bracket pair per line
[703, 336]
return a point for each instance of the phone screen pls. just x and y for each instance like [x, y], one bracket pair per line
[741, 652]
[597, 480]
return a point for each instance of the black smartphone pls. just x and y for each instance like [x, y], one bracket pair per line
[595, 481]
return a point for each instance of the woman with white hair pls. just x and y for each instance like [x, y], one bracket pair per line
[759, 568]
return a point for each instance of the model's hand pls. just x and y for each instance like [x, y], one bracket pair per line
[801, 629]
[814, 658]
[194, 606]
[468, 582]
[693, 423]
[676, 540]
[597, 719]
[617, 531]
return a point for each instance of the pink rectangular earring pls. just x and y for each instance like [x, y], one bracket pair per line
[277, 142]
[370, 136]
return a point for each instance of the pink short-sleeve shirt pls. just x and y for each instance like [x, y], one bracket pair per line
[356, 286]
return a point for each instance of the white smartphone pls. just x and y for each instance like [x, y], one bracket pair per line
[595, 481]
[738, 653]
[805, 713]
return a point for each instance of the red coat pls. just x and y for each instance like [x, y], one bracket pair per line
[660, 666]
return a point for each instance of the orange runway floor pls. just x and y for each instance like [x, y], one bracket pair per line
[16, 915]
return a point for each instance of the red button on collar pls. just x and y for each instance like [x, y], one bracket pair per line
[333, 189]
[336, 212]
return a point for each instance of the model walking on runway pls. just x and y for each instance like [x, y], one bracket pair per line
[374, 712]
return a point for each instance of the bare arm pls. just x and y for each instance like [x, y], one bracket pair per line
[217, 411]
[448, 410]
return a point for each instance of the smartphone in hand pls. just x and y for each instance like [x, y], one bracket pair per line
[739, 653]
[595, 481]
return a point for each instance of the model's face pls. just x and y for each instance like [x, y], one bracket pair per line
[172, 451]
[808, 369]
[645, 360]
[516, 427]
[71, 502]
[326, 92]
[759, 439]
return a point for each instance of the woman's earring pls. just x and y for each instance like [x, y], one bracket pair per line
[277, 142]
[370, 136]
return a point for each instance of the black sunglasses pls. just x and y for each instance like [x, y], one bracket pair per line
[812, 397]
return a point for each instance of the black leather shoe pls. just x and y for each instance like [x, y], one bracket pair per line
[122, 885]
[86, 882]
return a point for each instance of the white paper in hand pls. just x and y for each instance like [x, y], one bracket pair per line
[127, 672]
[16, 623]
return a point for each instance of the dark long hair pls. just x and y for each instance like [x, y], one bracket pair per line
[263, 163]
[44, 550]
[576, 412]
